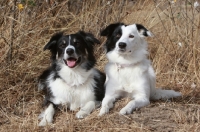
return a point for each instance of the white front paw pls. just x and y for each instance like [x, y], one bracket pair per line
[43, 122]
[125, 111]
[81, 114]
[41, 115]
[104, 110]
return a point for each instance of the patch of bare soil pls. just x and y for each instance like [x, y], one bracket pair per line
[162, 116]
[165, 116]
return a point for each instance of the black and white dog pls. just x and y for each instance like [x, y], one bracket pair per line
[71, 80]
[129, 73]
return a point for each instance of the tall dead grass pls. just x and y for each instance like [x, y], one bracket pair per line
[174, 51]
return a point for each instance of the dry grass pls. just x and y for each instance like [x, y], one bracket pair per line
[174, 51]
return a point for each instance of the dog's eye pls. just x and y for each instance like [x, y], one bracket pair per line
[131, 36]
[118, 36]
[63, 45]
[77, 43]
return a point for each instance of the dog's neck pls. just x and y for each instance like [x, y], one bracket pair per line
[120, 66]
[125, 65]
[127, 60]
[75, 77]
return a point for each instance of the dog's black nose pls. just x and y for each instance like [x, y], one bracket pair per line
[122, 45]
[70, 51]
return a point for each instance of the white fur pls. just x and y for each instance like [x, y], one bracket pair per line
[74, 90]
[130, 74]
[47, 116]
[73, 82]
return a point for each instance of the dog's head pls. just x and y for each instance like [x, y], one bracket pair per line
[124, 39]
[73, 49]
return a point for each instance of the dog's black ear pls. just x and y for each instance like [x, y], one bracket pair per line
[51, 45]
[110, 29]
[143, 32]
[89, 37]
[90, 40]
[53, 41]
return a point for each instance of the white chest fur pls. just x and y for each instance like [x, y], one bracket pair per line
[128, 78]
[73, 89]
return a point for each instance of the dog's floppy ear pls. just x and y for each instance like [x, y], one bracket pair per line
[51, 45]
[110, 29]
[143, 32]
[53, 41]
[88, 37]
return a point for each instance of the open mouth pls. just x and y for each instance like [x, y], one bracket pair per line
[71, 62]
[122, 50]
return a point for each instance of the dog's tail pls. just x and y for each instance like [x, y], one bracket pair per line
[163, 94]
[155, 93]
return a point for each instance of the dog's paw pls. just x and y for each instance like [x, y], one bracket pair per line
[81, 114]
[43, 122]
[104, 110]
[125, 111]
[41, 115]
[97, 104]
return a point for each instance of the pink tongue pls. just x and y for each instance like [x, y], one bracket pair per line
[71, 63]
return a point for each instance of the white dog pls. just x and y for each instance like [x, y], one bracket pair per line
[129, 73]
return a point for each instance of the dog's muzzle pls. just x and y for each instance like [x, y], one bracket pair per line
[70, 51]
[122, 46]
[71, 62]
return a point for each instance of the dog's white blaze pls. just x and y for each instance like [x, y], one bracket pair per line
[69, 46]
[69, 39]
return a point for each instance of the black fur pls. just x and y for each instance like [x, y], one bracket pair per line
[51, 45]
[99, 89]
[111, 32]
[43, 81]
[142, 29]
[108, 31]
[90, 40]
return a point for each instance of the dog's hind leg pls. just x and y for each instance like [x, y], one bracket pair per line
[47, 115]
[107, 103]
[86, 109]
[137, 102]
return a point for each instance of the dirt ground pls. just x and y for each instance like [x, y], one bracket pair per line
[181, 114]
[159, 116]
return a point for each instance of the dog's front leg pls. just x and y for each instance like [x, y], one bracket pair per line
[86, 109]
[47, 115]
[137, 102]
[109, 98]
[107, 103]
